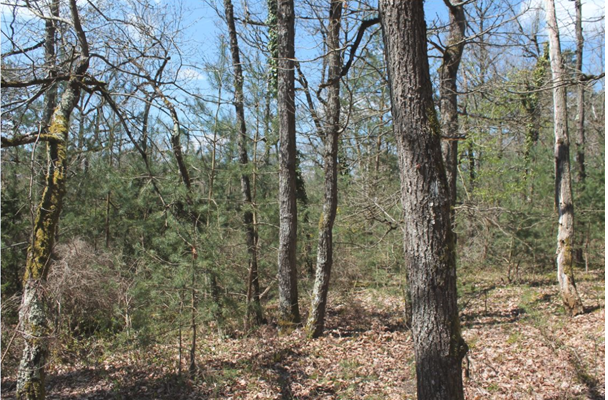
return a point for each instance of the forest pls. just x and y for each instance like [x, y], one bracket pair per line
[311, 199]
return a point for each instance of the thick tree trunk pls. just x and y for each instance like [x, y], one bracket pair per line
[316, 319]
[563, 185]
[287, 276]
[254, 308]
[580, 96]
[448, 72]
[32, 314]
[429, 241]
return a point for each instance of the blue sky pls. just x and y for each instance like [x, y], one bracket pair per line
[204, 25]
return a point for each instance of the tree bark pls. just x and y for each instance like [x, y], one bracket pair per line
[176, 145]
[580, 96]
[32, 314]
[428, 238]
[50, 58]
[531, 104]
[287, 276]
[316, 319]
[194, 304]
[448, 93]
[563, 185]
[254, 308]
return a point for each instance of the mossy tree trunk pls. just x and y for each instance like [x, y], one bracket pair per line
[428, 239]
[563, 184]
[331, 134]
[32, 314]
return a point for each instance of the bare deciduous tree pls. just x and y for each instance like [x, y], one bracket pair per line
[563, 184]
[331, 134]
[429, 241]
[288, 284]
[254, 308]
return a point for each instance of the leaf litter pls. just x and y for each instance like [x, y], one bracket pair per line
[522, 346]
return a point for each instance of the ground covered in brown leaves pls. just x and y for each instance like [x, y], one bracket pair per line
[522, 346]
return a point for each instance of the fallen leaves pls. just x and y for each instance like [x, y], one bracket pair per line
[521, 347]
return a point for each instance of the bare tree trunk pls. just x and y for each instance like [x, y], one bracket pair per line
[254, 308]
[563, 186]
[194, 305]
[287, 276]
[50, 58]
[176, 145]
[531, 103]
[316, 319]
[32, 315]
[580, 96]
[107, 219]
[428, 238]
[448, 72]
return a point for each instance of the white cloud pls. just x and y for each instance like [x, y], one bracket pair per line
[189, 74]
[593, 15]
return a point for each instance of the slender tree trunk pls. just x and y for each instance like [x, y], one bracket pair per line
[179, 329]
[50, 58]
[213, 155]
[287, 276]
[32, 314]
[580, 114]
[471, 157]
[531, 104]
[254, 308]
[194, 305]
[316, 319]
[429, 241]
[580, 96]
[107, 219]
[176, 145]
[448, 91]
[563, 186]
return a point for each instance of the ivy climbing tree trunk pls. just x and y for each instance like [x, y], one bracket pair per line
[563, 184]
[287, 276]
[316, 319]
[254, 308]
[428, 238]
[32, 314]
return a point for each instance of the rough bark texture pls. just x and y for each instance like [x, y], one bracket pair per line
[448, 72]
[429, 242]
[287, 276]
[176, 141]
[563, 185]
[254, 308]
[580, 96]
[50, 59]
[531, 104]
[32, 314]
[316, 319]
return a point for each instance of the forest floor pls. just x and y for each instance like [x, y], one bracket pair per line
[522, 346]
